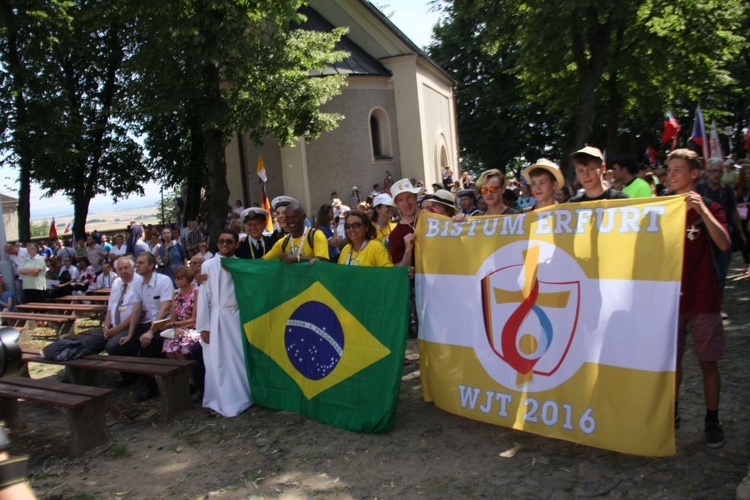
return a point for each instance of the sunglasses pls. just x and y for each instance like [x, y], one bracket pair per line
[353, 225]
[489, 189]
[222, 241]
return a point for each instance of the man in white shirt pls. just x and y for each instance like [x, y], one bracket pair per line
[120, 325]
[119, 248]
[105, 279]
[66, 280]
[17, 253]
[156, 294]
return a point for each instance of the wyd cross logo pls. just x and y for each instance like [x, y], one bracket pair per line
[530, 323]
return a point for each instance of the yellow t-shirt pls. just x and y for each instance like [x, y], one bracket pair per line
[384, 232]
[293, 246]
[374, 254]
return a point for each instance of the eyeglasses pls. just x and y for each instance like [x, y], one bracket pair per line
[353, 225]
[489, 189]
[714, 171]
[194, 263]
[222, 241]
[178, 276]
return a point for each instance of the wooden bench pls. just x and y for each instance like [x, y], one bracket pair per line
[64, 323]
[102, 291]
[94, 299]
[172, 375]
[65, 308]
[83, 407]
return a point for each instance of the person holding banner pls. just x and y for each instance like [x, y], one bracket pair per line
[226, 387]
[544, 178]
[492, 186]
[382, 204]
[279, 205]
[589, 167]
[363, 247]
[441, 202]
[302, 244]
[256, 244]
[700, 301]
[401, 240]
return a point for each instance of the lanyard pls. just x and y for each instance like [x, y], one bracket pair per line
[353, 262]
[262, 244]
[297, 250]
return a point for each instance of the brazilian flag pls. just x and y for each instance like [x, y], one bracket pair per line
[324, 340]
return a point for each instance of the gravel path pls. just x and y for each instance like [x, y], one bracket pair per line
[430, 453]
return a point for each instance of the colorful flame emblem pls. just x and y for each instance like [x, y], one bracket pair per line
[520, 349]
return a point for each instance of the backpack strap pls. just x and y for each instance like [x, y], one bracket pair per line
[310, 239]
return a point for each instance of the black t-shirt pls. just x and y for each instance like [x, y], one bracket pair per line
[609, 194]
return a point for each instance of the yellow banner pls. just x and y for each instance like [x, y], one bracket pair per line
[544, 322]
[606, 237]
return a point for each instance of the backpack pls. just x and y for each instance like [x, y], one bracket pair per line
[310, 240]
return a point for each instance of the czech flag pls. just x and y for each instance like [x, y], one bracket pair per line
[699, 132]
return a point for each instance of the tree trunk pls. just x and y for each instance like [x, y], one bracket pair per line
[16, 68]
[590, 56]
[196, 172]
[24, 201]
[217, 196]
[80, 214]
[615, 99]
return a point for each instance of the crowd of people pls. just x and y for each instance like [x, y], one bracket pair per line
[171, 297]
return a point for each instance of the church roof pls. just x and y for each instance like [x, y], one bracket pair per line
[358, 62]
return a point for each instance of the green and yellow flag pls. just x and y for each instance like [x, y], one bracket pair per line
[324, 340]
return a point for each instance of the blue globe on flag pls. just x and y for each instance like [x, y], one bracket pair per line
[314, 340]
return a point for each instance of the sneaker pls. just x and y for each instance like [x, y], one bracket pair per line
[714, 435]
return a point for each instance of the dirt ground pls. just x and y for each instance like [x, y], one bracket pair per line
[266, 453]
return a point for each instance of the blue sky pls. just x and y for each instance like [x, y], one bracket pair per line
[414, 17]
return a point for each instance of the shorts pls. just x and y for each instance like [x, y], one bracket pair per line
[708, 335]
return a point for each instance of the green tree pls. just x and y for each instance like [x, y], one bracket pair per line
[496, 121]
[26, 44]
[221, 66]
[605, 72]
[75, 140]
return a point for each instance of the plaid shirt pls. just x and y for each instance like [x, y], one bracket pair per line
[193, 238]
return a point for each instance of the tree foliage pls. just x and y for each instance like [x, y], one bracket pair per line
[595, 71]
[210, 68]
[81, 146]
[82, 79]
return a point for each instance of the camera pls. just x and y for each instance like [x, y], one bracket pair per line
[10, 352]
